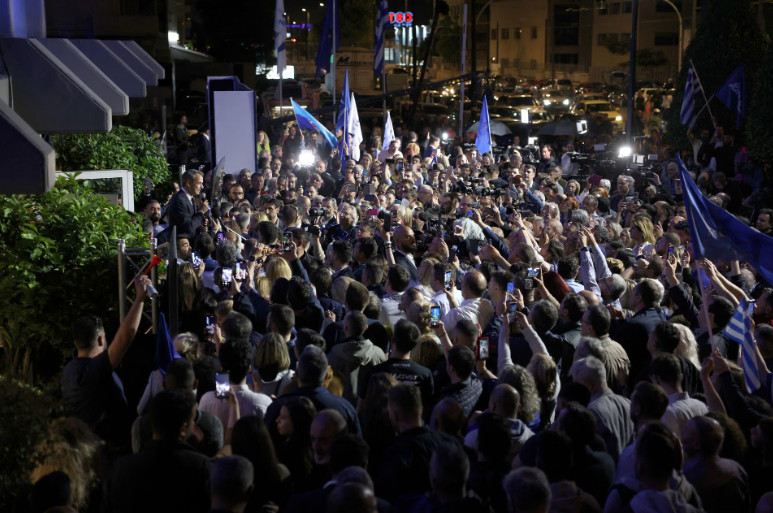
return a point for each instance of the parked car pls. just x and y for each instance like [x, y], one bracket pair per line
[593, 107]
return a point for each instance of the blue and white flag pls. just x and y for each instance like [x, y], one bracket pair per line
[692, 89]
[354, 130]
[739, 330]
[343, 119]
[733, 94]
[331, 33]
[280, 36]
[382, 22]
[717, 234]
[389, 132]
[308, 122]
[483, 139]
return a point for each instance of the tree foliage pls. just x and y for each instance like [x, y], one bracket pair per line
[22, 431]
[58, 260]
[121, 148]
[727, 35]
[759, 127]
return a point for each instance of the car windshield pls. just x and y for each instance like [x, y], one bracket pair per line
[598, 107]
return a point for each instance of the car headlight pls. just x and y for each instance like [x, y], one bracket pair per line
[618, 118]
[546, 102]
[566, 102]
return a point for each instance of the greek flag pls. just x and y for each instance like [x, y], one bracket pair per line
[354, 130]
[389, 132]
[739, 330]
[280, 36]
[691, 90]
[715, 233]
[378, 48]
[483, 139]
[308, 122]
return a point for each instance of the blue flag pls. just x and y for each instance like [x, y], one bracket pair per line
[483, 139]
[165, 351]
[739, 330]
[382, 22]
[308, 122]
[331, 29]
[717, 234]
[692, 88]
[733, 94]
[343, 118]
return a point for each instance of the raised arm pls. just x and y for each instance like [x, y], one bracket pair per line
[125, 336]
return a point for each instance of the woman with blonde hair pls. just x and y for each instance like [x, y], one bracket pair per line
[545, 373]
[263, 143]
[642, 234]
[425, 278]
[272, 371]
[276, 268]
[186, 345]
[419, 314]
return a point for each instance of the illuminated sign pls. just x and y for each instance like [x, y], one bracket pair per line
[401, 19]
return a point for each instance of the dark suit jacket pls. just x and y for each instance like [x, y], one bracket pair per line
[403, 261]
[633, 334]
[183, 214]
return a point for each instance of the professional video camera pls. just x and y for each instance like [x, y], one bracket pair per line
[318, 212]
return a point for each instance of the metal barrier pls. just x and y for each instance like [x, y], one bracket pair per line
[130, 258]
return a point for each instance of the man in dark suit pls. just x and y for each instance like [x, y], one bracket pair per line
[168, 474]
[203, 147]
[182, 210]
[404, 246]
[634, 332]
[339, 255]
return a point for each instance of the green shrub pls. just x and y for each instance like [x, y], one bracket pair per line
[122, 148]
[58, 260]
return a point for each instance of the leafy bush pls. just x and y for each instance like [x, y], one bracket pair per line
[122, 148]
[58, 260]
[21, 433]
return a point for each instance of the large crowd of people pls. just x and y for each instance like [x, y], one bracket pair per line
[429, 329]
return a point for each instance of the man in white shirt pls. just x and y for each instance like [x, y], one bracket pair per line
[441, 298]
[236, 359]
[392, 153]
[396, 283]
[666, 371]
[474, 308]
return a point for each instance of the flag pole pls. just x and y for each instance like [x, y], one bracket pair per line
[703, 92]
[333, 59]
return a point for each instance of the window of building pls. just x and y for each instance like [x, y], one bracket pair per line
[505, 33]
[505, 62]
[493, 34]
[534, 32]
[517, 32]
[666, 39]
[614, 8]
[627, 7]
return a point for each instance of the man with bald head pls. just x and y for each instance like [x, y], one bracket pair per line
[404, 246]
[505, 401]
[474, 307]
